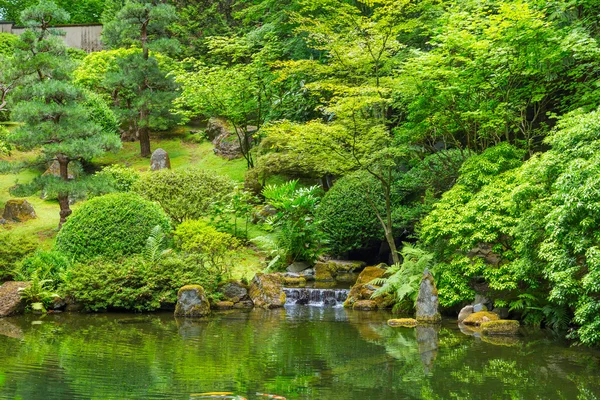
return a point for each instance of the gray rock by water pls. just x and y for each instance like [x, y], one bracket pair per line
[10, 298]
[427, 300]
[297, 266]
[464, 313]
[192, 302]
[160, 160]
[234, 291]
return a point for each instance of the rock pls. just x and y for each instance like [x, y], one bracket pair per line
[244, 304]
[160, 160]
[500, 327]
[266, 290]
[336, 266]
[192, 302]
[347, 277]
[322, 273]
[479, 307]
[428, 344]
[484, 251]
[427, 300]
[10, 298]
[72, 305]
[3, 221]
[479, 317]
[18, 210]
[225, 139]
[464, 313]
[365, 305]
[502, 312]
[404, 322]
[234, 291]
[224, 305]
[308, 274]
[289, 281]
[363, 288]
[297, 266]
[261, 214]
[481, 299]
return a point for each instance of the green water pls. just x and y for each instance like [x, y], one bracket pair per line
[298, 353]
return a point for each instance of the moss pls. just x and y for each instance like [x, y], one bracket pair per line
[435, 319]
[323, 273]
[224, 305]
[404, 322]
[500, 327]
[480, 317]
[370, 273]
[365, 305]
[186, 288]
[289, 281]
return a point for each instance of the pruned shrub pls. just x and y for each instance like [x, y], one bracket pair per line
[184, 193]
[13, 248]
[112, 226]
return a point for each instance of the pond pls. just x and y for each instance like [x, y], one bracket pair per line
[299, 352]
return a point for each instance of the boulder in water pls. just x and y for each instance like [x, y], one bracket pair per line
[403, 322]
[464, 313]
[479, 307]
[160, 160]
[294, 281]
[427, 300]
[234, 291]
[480, 317]
[500, 327]
[322, 272]
[297, 266]
[18, 210]
[363, 288]
[224, 305]
[365, 305]
[192, 302]
[266, 290]
[11, 302]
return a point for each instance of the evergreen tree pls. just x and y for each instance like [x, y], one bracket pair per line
[52, 111]
[143, 92]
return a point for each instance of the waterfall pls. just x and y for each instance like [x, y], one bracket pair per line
[316, 297]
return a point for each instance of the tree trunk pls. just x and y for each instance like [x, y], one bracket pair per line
[144, 131]
[63, 197]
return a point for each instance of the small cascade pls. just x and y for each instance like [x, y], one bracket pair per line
[316, 297]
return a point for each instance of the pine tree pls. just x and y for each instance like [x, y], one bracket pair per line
[142, 91]
[52, 111]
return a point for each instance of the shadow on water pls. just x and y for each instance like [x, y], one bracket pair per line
[300, 352]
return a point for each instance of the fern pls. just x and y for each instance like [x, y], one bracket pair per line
[156, 246]
[402, 280]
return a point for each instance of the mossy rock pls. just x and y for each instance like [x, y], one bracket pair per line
[323, 273]
[224, 305]
[294, 281]
[480, 317]
[500, 327]
[192, 302]
[365, 305]
[18, 210]
[363, 289]
[266, 290]
[403, 322]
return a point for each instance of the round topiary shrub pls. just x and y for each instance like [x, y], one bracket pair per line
[347, 218]
[112, 226]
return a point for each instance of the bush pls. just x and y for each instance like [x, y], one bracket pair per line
[5, 148]
[185, 193]
[120, 178]
[100, 112]
[112, 226]
[13, 248]
[131, 283]
[348, 219]
[7, 43]
[214, 250]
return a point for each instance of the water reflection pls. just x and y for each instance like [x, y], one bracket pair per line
[297, 353]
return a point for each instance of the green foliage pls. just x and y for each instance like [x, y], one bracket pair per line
[235, 208]
[121, 178]
[297, 234]
[39, 293]
[156, 246]
[7, 43]
[112, 226]
[212, 250]
[132, 283]
[80, 12]
[348, 220]
[184, 193]
[45, 265]
[5, 147]
[13, 248]
[402, 280]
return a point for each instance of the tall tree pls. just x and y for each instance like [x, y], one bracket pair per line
[144, 88]
[50, 108]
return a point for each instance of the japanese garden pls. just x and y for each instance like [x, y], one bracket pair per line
[299, 199]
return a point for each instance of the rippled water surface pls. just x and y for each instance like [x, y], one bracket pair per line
[298, 353]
